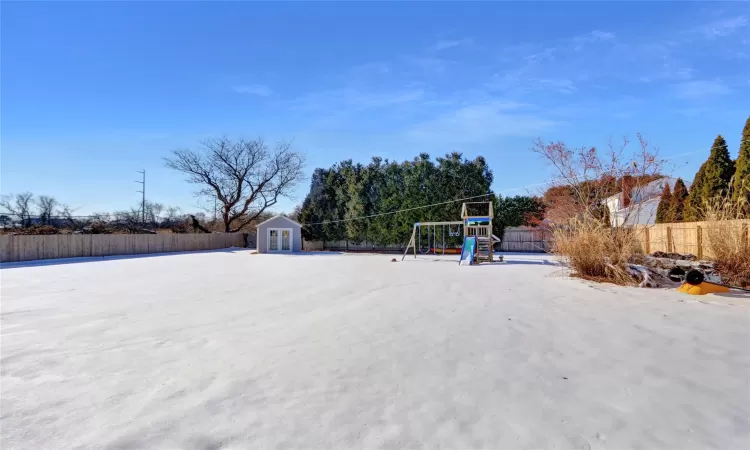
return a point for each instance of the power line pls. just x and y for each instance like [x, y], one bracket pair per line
[395, 212]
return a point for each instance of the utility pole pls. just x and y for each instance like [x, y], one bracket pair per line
[143, 198]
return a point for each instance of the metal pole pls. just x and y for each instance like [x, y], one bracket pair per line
[434, 240]
[415, 237]
[143, 197]
[443, 239]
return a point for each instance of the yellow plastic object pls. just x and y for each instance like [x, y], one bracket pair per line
[702, 289]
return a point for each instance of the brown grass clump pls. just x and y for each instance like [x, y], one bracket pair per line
[728, 241]
[37, 230]
[597, 252]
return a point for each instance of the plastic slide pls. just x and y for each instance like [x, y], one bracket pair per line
[468, 250]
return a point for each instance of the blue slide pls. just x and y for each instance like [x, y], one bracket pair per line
[467, 250]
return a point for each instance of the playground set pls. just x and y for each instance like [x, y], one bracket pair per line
[478, 239]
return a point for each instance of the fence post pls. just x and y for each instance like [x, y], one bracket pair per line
[699, 235]
[744, 234]
[669, 239]
[647, 240]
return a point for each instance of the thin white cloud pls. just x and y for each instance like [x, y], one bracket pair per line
[595, 36]
[253, 89]
[356, 99]
[479, 124]
[723, 27]
[561, 85]
[446, 44]
[429, 64]
[369, 69]
[678, 155]
[700, 88]
[523, 80]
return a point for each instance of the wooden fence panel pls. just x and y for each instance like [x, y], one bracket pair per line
[312, 245]
[526, 240]
[658, 239]
[37, 247]
[5, 249]
[687, 237]
[515, 240]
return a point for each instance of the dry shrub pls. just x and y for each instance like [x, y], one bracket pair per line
[728, 240]
[587, 183]
[37, 230]
[596, 251]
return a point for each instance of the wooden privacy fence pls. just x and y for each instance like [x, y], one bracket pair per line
[522, 239]
[688, 237]
[30, 248]
[526, 239]
[349, 246]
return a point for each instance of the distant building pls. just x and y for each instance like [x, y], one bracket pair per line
[636, 205]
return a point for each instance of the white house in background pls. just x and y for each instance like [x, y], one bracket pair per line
[636, 205]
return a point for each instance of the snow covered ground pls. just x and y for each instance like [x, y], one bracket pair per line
[233, 350]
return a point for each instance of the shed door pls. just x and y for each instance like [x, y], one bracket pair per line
[286, 240]
[279, 239]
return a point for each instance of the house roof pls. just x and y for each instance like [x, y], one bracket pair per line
[652, 189]
[277, 217]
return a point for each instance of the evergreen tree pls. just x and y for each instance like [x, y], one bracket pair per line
[719, 170]
[694, 202]
[677, 204]
[664, 210]
[741, 186]
[712, 179]
[517, 211]
[346, 193]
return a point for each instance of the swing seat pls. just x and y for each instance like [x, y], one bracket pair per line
[447, 251]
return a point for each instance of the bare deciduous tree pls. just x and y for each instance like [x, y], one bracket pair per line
[173, 213]
[589, 176]
[153, 212]
[607, 190]
[130, 219]
[245, 176]
[173, 216]
[66, 212]
[46, 206]
[294, 215]
[101, 217]
[18, 205]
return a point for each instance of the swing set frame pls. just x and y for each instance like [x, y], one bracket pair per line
[417, 234]
[472, 226]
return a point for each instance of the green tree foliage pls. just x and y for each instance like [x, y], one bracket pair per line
[517, 211]
[694, 202]
[677, 204]
[664, 210]
[741, 186]
[347, 191]
[342, 195]
[712, 179]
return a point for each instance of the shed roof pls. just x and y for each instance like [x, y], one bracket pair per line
[277, 217]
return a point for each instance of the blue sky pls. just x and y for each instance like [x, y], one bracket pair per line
[93, 91]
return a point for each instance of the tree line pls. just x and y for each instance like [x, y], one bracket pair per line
[243, 179]
[719, 177]
[379, 202]
[26, 210]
